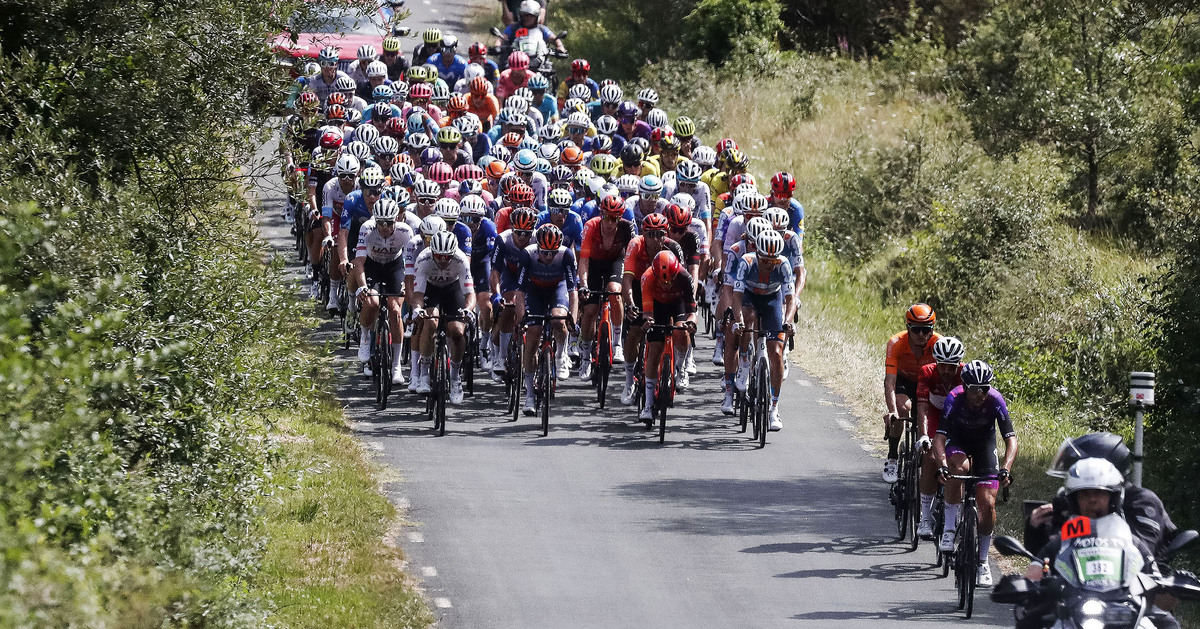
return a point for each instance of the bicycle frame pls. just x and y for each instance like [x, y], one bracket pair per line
[664, 395]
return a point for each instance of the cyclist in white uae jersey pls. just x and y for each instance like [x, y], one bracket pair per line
[444, 289]
[381, 242]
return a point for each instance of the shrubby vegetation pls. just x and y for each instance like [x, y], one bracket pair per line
[145, 344]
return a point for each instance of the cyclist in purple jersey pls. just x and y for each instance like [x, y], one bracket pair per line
[971, 415]
[547, 286]
[508, 259]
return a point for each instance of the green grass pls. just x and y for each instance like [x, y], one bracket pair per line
[331, 559]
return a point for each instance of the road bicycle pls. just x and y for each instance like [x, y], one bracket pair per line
[965, 557]
[381, 358]
[439, 372]
[602, 348]
[545, 376]
[664, 393]
[903, 493]
[754, 404]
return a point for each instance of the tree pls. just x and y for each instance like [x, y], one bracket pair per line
[1065, 73]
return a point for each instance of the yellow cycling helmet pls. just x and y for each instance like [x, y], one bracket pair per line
[684, 127]
[603, 164]
[391, 44]
[432, 36]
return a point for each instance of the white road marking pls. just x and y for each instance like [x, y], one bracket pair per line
[428, 571]
[375, 445]
[415, 537]
[804, 383]
[442, 602]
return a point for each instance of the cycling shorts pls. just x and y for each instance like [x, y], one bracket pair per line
[479, 276]
[906, 387]
[769, 309]
[984, 458]
[447, 299]
[538, 300]
[509, 282]
[666, 313]
[601, 273]
[388, 275]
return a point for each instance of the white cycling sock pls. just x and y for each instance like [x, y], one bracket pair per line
[414, 361]
[529, 384]
[985, 543]
[364, 337]
[396, 352]
[585, 349]
[454, 371]
[680, 359]
[651, 385]
[952, 516]
[505, 338]
[926, 506]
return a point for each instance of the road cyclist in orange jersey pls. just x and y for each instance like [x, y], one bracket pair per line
[906, 353]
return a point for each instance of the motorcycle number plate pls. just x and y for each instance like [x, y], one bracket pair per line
[1099, 568]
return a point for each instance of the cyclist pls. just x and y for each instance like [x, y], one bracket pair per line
[393, 58]
[685, 130]
[973, 412]
[443, 286]
[667, 295]
[357, 209]
[935, 381]
[762, 291]
[665, 161]
[320, 171]
[301, 136]
[482, 102]
[547, 286]
[376, 78]
[516, 75]
[325, 83]
[645, 202]
[647, 100]
[689, 232]
[431, 44]
[477, 55]
[639, 256]
[379, 260]
[558, 212]
[429, 227]
[507, 261]
[605, 239]
[906, 353]
[629, 127]
[783, 184]
[449, 65]
[687, 181]
[345, 176]
[483, 245]
[580, 68]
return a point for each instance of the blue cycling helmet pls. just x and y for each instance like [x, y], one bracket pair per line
[560, 174]
[382, 93]
[529, 142]
[500, 152]
[381, 111]
[977, 373]
[430, 156]
[416, 122]
[525, 160]
[542, 166]
[538, 82]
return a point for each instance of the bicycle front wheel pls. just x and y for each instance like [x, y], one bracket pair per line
[913, 481]
[970, 548]
[603, 362]
[901, 490]
[662, 401]
[543, 393]
[763, 404]
[442, 392]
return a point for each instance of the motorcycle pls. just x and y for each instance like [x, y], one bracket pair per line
[1099, 579]
[541, 57]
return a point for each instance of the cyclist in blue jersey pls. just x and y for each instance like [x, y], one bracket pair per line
[558, 213]
[543, 102]
[483, 245]
[356, 210]
[508, 258]
[971, 416]
[547, 286]
[449, 65]
[762, 290]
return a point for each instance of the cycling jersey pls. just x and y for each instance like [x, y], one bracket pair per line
[486, 107]
[565, 87]
[572, 227]
[323, 88]
[900, 360]
[548, 108]
[463, 234]
[379, 248]
[793, 250]
[333, 200]
[369, 112]
[456, 272]
[679, 293]
[396, 66]
[639, 130]
[761, 279]
[536, 274]
[596, 247]
[413, 251]
[733, 258]
[634, 205]
[483, 244]
[701, 195]
[507, 260]
[354, 207]
[931, 389]
[638, 259]
[972, 431]
[510, 81]
[449, 73]
[693, 247]
[735, 227]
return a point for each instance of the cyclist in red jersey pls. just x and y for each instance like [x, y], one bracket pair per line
[668, 296]
[638, 257]
[601, 258]
[907, 352]
[934, 383]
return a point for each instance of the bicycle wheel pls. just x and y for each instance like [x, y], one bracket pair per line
[442, 392]
[376, 373]
[603, 364]
[662, 397]
[323, 279]
[742, 407]
[938, 513]
[512, 375]
[468, 363]
[384, 333]
[913, 480]
[764, 401]
[970, 548]
[543, 389]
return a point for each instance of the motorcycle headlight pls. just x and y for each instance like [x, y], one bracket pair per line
[1097, 614]
[1092, 607]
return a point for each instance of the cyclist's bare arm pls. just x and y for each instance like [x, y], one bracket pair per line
[1010, 452]
[627, 289]
[584, 264]
[889, 393]
[922, 411]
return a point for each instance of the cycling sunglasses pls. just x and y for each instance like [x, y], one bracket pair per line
[347, 177]
[527, 233]
[427, 200]
[921, 329]
[373, 190]
[387, 156]
[385, 223]
[656, 234]
[977, 387]
[442, 257]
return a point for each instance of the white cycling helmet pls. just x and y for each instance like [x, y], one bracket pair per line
[443, 243]
[769, 244]
[755, 227]
[346, 165]
[376, 68]
[611, 94]
[367, 51]
[606, 125]
[777, 217]
[579, 119]
[344, 84]
[657, 118]
[688, 171]
[516, 103]
[650, 184]
[648, 95]
[684, 200]
[358, 149]
[432, 225]
[367, 134]
[447, 209]
[948, 350]
[580, 91]
[549, 153]
[550, 133]
[371, 176]
[427, 188]
[473, 205]
[386, 210]
[559, 198]
[627, 184]
[706, 156]
[386, 144]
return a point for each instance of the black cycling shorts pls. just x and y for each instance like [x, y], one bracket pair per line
[389, 275]
[984, 458]
[906, 387]
[666, 313]
[447, 299]
[600, 274]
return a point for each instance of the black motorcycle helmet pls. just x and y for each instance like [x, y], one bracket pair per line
[1101, 445]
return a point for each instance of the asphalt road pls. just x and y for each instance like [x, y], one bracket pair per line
[598, 525]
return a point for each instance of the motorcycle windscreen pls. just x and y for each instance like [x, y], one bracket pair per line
[1103, 560]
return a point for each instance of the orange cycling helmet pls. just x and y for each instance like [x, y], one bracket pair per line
[458, 104]
[496, 169]
[612, 205]
[920, 314]
[479, 86]
[523, 219]
[666, 266]
[521, 194]
[511, 140]
[571, 155]
[549, 237]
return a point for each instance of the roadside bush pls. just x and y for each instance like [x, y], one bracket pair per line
[715, 27]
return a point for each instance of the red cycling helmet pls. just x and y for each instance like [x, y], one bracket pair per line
[549, 237]
[441, 173]
[336, 98]
[783, 184]
[511, 140]
[395, 128]
[666, 266]
[308, 99]
[654, 222]
[523, 219]
[740, 179]
[659, 134]
[521, 194]
[612, 205]
[725, 144]
[679, 216]
[335, 112]
[420, 90]
[477, 49]
[468, 171]
[331, 139]
[580, 66]
[920, 314]
[507, 182]
[518, 60]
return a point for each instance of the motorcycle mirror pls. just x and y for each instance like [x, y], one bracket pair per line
[493, 50]
[1009, 546]
[562, 34]
[1013, 589]
[1181, 540]
[401, 31]
[495, 31]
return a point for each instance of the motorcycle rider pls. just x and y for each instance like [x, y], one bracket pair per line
[527, 18]
[1093, 488]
